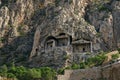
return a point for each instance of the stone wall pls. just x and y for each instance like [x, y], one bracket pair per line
[81, 74]
[108, 72]
[111, 72]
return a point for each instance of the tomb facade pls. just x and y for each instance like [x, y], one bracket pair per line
[60, 50]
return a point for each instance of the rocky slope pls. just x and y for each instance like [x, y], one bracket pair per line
[104, 15]
[88, 19]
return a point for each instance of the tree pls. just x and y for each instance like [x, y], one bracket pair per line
[3, 70]
[33, 74]
[48, 73]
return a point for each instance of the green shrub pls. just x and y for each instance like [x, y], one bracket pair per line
[118, 50]
[61, 71]
[75, 66]
[90, 62]
[20, 30]
[23, 73]
[65, 57]
[10, 75]
[96, 60]
[3, 70]
[98, 34]
[57, 2]
[48, 73]
[99, 5]
[115, 56]
[19, 72]
[33, 74]
[2, 39]
[103, 8]
[82, 65]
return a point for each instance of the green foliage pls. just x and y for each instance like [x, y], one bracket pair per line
[61, 71]
[96, 61]
[83, 65]
[33, 74]
[2, 39]
[102, 8]
[19, 72]
[90, 62]
[6, 2]
[75, 66]
[98, 34]
[99, 5]
[3, 70]
[65, 57]
[118, 50]
[57, 2]
[21, 30]
[115, 56]
[10, 75]
[23, 73]
[48, 73]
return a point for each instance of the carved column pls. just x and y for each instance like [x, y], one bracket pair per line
[91, 47]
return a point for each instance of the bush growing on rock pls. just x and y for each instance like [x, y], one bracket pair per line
[61, 71]
[115, 56]
[97, 60]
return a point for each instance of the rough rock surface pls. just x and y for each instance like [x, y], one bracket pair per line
[66, 18]
[15, 27]
[109, 72]
[24, 24]
[105, 19]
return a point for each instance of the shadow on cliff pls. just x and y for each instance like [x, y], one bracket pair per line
[18, 50]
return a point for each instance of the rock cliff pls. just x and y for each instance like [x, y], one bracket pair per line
[24, 24]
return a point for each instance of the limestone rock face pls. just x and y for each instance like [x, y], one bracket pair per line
[116, 17]
[67, 19]
[26, 25]
[77, 20]
[55, 58]
[13, 17]
[4, 19]
[14, 26]
[14, 14]
[104, 20]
